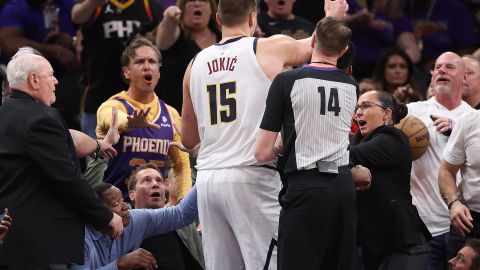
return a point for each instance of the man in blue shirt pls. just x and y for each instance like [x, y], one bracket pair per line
[101, 252]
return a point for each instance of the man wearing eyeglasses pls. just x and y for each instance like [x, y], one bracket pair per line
[439, 114]
[145, 122]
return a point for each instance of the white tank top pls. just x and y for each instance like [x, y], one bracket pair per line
[228, 90]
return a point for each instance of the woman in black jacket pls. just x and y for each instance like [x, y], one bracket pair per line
[390, 231]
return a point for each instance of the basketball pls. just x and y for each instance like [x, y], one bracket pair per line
[417, 134]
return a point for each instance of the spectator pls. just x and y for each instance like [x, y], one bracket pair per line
[473, 6]
[310, 10]
[185, 30]
[107, 27]
[85, 145]
[445, 107]
[181, 249]
[471, 93]
[227, 132]
[460, 154]
[279, 19]
[381, 26]
[394, 72]
[124, 253]
[468, 258]
[46, 26]
[146, 123]
[39, 170]
[440, 26]
[390, 231]
[366, 85]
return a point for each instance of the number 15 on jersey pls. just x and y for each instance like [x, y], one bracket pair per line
[223, 105]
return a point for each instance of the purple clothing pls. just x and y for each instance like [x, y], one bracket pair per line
[18, 13]
[370, 41]
[448, 28]
[166, 3]
[139, 146]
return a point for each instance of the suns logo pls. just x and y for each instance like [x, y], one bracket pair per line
[164, 122]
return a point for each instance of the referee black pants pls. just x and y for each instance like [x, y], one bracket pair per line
[317, 227]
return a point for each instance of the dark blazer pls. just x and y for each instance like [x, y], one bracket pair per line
[42, 186]
[387, 219]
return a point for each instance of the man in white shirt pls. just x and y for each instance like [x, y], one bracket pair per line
[439, 114]
[461, 154]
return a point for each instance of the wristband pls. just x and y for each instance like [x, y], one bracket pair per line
[451, 203]
[97, 150]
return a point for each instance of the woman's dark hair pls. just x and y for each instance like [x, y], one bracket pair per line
[346, 60]
[379, 73]
[399, 111]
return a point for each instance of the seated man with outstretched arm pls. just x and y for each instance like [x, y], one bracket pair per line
[101, 252]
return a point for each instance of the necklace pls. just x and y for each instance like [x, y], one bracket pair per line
[122, 6]
[323, 62]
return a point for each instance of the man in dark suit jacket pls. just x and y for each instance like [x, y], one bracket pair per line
[40, 181]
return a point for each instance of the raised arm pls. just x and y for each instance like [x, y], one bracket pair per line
[167, 219]
[336, 8]
[168, 30]
[407, 42]
[275, 52]
[83, 11]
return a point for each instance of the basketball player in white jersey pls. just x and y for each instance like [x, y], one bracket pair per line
[225, 88]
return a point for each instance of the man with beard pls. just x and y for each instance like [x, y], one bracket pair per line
[439, 114]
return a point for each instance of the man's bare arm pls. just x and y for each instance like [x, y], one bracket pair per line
[460, 216]
[190, 136]
[85, 145]
[265, 149]
[83, 11]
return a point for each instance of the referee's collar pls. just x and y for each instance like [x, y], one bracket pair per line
[320, 68]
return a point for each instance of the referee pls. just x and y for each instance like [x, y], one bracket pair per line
[313, 106]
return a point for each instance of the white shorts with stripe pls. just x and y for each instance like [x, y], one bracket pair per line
[238, 211]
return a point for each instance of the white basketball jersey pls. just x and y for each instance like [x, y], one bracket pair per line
[228, 90]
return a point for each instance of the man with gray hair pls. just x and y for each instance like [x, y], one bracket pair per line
[84, 145]
[40, 180]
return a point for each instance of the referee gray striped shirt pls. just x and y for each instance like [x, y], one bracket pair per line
[313, 107]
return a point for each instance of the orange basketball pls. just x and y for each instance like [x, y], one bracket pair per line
[417, 134]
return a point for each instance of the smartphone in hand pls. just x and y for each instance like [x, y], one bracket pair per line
[446, 133]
